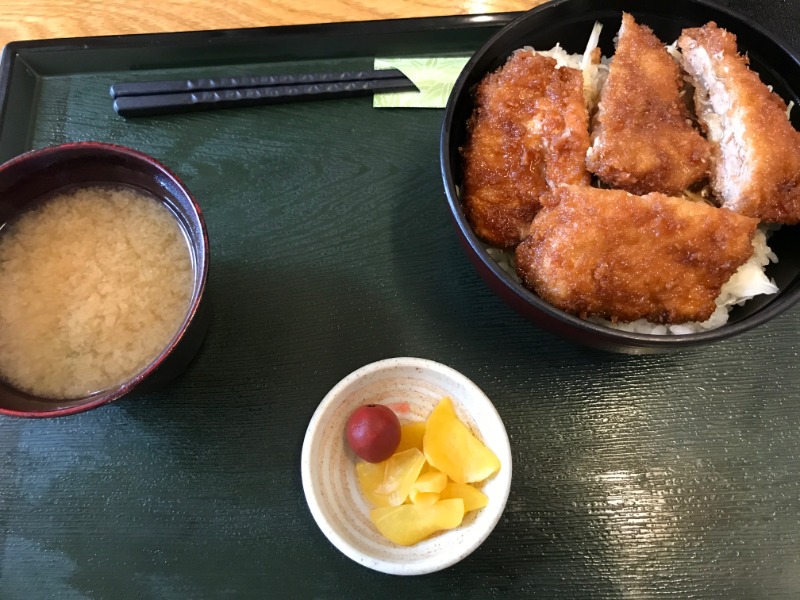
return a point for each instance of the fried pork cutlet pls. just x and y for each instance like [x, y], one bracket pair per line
[611, 254]
[756, 150]
[529, 130]
[643, 139]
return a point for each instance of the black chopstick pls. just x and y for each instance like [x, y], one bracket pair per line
[147, 88]
[147, 98]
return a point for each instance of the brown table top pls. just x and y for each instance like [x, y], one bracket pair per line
[37, 19]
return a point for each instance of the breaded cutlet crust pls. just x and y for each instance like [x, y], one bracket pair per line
[756, 149]
[562, 122]
[529, 130]
[610, 254]
[643, 140]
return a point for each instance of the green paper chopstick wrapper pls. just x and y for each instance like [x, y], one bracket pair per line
[435, 78]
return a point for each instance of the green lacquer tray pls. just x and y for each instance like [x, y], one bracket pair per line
[331, 247]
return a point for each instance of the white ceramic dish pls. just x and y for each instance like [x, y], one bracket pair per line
[411, 387]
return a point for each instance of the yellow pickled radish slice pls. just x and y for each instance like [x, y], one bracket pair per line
[431, 480]
[402, 470]
[411, 523]
[411, 436]
[427, 486]
[423, 498]
[370, 477]
[450, 447]
[473, 498]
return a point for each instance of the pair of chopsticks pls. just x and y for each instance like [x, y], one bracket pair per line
[146, 98]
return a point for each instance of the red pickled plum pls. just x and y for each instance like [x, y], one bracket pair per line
[373, 432]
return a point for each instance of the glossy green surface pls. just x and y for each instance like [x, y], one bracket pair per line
[661, 476]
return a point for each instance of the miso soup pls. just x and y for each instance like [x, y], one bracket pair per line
[94, 284]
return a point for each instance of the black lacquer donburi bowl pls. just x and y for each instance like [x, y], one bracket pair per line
[569, 23]
[26, 179]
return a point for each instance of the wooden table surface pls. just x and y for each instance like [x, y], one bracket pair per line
[37, 19]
